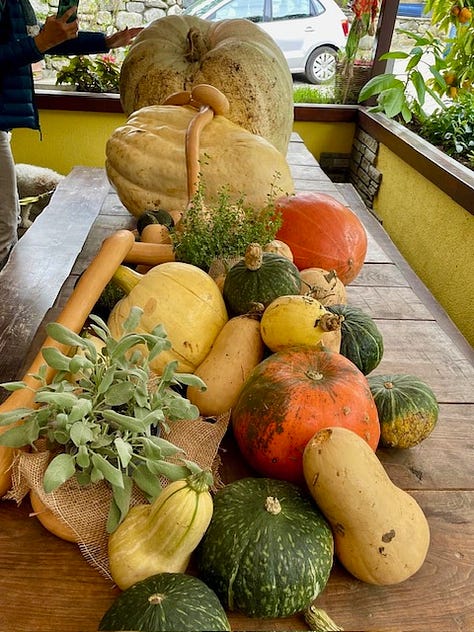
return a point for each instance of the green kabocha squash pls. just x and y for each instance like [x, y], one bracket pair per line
[159, 216]
[407, 409]
[171, 602]
[268, 550]
[259, 277]
[361, 340]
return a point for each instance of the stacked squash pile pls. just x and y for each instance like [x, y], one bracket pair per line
[275, 343]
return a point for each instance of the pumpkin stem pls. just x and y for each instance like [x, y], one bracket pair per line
[319, 620]
[253, 257]
[272, 505]
[126, 278]
[155, 599]
[200, 481]
[197, 46]
[388, 385]
[330, 322]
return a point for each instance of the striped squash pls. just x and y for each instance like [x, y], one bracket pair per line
[268, 550]
[361, 340]
[407, 409]
[259, 277]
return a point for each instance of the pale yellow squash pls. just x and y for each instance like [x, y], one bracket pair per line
[182, 298]
[160, 537]
[146, 161]
[381, 534]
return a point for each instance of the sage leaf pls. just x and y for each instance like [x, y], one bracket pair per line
[21, 435]
[13, 386]
[81, 409]
[148, 482]
[119, 394]
[124, 451]
[110, 472]
[82, 457]
[133, 320]
[58, 472]
[124, 421]
[107, 380]
[120, 504]
[56, 359]
[11, 416]
[62, 334]
[80, 433]
[61, 400]
[172, 471]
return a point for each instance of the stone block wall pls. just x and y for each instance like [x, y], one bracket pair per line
[362, 171]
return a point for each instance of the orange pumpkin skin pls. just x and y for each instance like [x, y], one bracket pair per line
[292, 395]
[323, 233]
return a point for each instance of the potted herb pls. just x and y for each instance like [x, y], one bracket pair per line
[101, 415]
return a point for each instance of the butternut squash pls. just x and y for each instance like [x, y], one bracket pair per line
[50, 520]
[381, 534]
[236, 351]
[156, 234]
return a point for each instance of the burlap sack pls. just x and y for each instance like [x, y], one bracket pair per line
[85, 509]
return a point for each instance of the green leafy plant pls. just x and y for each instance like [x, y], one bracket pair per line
[448, 56]
[452, 129]
[223, 228]
[102, 413]
[91, 73]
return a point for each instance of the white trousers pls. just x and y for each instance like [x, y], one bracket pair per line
[9, 203]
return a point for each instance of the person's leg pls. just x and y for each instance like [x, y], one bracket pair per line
[9, 204]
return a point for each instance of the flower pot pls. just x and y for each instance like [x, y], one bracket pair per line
[350, 79]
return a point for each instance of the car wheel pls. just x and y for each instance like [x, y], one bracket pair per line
[321, 65]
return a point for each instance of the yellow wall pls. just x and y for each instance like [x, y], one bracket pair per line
[433, 233]
[321, 137]
[69, 139]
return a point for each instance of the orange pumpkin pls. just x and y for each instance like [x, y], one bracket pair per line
[323, 233]
[292, 395]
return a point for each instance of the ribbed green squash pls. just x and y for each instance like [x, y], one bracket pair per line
[259, 278]
[407, 409]
[268, 551]
[171, 602]
[361, 340]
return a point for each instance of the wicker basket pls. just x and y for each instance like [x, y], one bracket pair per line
[350, 78]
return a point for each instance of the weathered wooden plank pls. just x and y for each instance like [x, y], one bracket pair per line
[421, 348]
[440, 595]
[444, 460]
[41, 262]
[379, 275]
[388, 302]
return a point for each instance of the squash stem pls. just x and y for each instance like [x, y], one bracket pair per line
[319, 620]
[126, 278]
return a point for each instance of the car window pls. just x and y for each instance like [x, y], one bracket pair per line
[250, 9]
[295, 9]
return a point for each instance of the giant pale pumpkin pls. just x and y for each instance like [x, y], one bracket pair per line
[289, 397]
[177, 52]
[323, 233]
[147, 161]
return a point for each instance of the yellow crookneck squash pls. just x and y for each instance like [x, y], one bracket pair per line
[182, 298]
[178, 52]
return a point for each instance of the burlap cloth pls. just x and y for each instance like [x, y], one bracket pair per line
[85, 509]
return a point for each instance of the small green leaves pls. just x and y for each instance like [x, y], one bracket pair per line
[107, 418]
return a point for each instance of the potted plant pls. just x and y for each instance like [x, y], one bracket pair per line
[354, 64]
[91, 73]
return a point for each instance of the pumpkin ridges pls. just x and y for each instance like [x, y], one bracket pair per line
[280, 408]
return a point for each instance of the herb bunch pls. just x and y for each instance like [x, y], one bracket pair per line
[223, 228]
[102, 412]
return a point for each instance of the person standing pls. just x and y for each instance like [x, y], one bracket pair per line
[22, 43]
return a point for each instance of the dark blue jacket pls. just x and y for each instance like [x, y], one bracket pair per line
[17, 52]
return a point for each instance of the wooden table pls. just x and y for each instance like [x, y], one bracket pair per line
[45, 583]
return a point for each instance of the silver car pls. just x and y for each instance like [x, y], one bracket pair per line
[309, 32]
